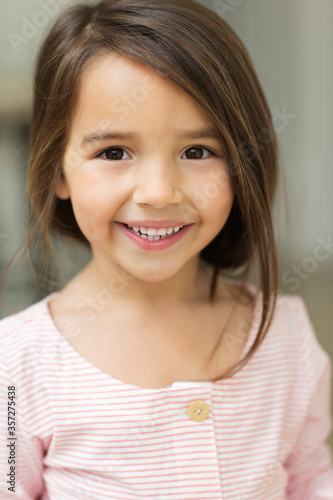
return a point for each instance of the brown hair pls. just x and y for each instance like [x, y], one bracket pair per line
[197, 50]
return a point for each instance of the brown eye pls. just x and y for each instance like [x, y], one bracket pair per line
[196, 153]
[113, 154]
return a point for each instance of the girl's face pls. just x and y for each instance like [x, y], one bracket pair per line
[138, 151]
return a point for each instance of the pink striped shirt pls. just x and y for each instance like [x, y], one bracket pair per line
[82, 434]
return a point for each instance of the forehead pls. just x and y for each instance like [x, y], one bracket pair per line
[122, 89]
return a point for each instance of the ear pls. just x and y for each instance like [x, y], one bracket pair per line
[62, 190]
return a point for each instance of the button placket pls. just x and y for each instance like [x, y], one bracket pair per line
[195, 440]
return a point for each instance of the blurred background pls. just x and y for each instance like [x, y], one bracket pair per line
[291, 46]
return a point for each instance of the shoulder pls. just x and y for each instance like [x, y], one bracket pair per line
[292, 314]
[23, 334]
[292, 333]
[30, 318]
[290, 310]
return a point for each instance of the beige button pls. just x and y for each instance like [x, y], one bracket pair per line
[198, 410]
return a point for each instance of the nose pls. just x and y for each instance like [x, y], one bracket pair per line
[157, 184]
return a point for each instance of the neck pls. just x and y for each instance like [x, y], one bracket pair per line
[110, 281]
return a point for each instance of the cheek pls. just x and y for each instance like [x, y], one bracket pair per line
[219, 211]
[93, 204]
[215, 196]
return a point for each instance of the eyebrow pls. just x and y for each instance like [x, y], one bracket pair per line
[98, 136]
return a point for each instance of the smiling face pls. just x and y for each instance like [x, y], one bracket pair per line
[159, 170]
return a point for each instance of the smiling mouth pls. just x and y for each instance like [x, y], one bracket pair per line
[153, 237]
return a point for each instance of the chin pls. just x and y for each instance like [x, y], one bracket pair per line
[150, 275]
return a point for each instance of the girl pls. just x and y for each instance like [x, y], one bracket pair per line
[159, 371]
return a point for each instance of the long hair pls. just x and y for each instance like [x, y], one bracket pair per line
[197, 50]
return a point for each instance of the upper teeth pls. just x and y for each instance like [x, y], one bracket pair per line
[156, 232]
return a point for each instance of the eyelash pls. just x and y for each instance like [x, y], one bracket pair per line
[99, 155]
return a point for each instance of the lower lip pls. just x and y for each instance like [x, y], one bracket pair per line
[154, 245]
